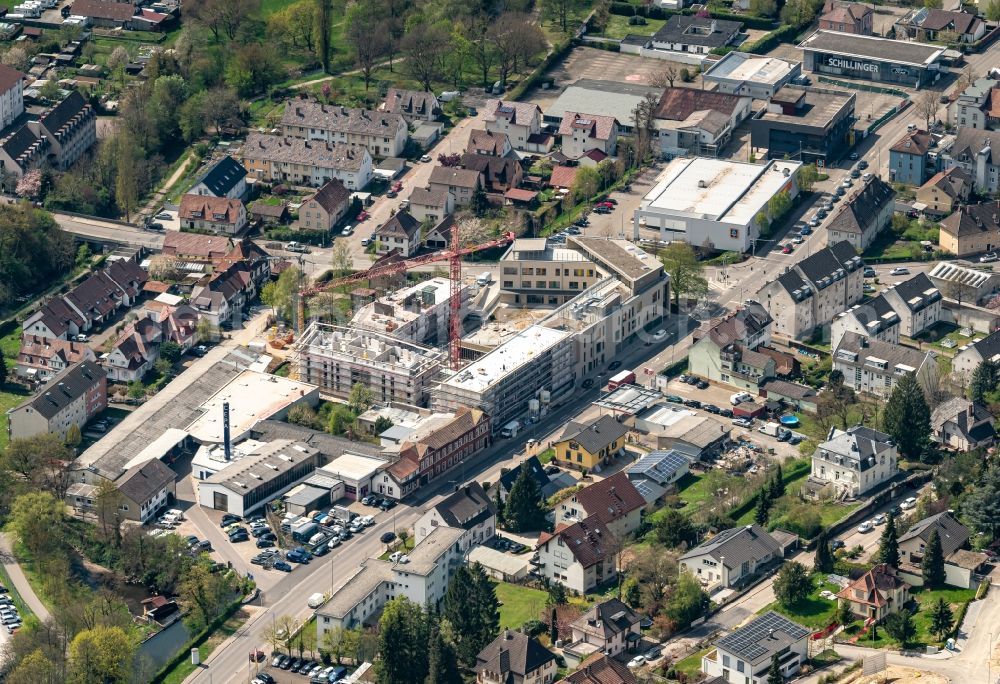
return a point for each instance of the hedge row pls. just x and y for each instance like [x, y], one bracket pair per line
[625, 9]
[786, 33]
[560, 51]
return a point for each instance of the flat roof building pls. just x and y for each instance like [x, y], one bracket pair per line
[807, 124]
[418, 313]
[268, 472]
[741, 73]
[872, 58]
[714, 200]
[355, 471]
[534, 365]
[335, 358]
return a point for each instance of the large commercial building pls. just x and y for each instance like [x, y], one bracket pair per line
[871, 58]
[714, 201]
[337, 358]
[741, 73]
[808, 124]
[525, 373]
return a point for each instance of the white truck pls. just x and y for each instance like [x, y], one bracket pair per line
[771, 429]
[510, 429]
[316, 600]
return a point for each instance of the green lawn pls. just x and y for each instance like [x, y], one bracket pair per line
[519, 604]
[694, 491]
[406, 547]
[546, 456]
[185, 668]
[10, 344]
[618, 27]
[691, 665]
[946, 331]
[814, 612]
[10, 396]
[925, 598]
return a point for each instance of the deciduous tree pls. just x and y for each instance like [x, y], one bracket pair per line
[425, 47]
[368, 44]
[687, 602]
[685, 271]
[792, 584]
[101, 654]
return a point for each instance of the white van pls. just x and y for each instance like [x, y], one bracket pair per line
[316, 600]
[484, 279]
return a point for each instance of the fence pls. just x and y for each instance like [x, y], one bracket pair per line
[864, 86]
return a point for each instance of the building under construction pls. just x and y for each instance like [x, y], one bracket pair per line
[336, 358]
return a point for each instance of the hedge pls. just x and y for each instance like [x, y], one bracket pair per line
[560, 51]
[624, 9]
[786, 33]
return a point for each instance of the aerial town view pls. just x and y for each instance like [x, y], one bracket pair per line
[499, 341]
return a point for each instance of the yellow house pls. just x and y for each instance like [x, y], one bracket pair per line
[942, 194]
[590, 446]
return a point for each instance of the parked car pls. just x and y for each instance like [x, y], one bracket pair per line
[806, 230]
[264, 543]
[837, 544]
[711, 408]
[900, 270]
[638, 661]
[798, 239]
[866, 526]
[363, 215]
[870, 272]
[879, 519]
[674, 399]
[863, 164]
[163, 216]
[725, 413]
[701, 384]
[387, 537]
[693, 403]
[786, 249]
[614, 365]
[988, 258]
[282, 565]
[908, 503]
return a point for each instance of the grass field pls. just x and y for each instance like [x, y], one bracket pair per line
[519, 604]
[691, 665]
[814, 612]
[925, 598]
[618, 27]
[10, 397]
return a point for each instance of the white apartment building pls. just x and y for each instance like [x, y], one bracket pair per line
[418, 313]
[814, 290]
[335, 358]
[973, 107]
[285, 159]
[853, 462]
[382, 134]
[918, 303]
[580, 556]
[422, 577]
[872, 366]
[874, 319]
[11, 95]
[518, 120]
[469, 509]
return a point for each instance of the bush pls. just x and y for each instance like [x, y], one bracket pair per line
[309, 237]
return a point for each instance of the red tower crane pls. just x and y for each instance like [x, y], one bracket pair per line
[454, 257]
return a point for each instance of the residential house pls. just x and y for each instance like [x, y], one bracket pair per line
[814, 290]
[600, 669]
[918, 303]
[144, 490]
[469, 509]
[562, 177]
[744, 656]
[874, 319]
[427, 204]
[425, 458]
[794, 395]
[225, 178]
[944, 192]
[930, 24]
[732, 557]
[972, 152]
[971, 229]
[847, 17]
[865, 212]
[961, 566]
[971, 355]
[381, 134]
[41, 358]
[727, 351]
[962, 425]
[517, 120]
[590, 446]
[872, 366]
[55, 319]
[461, 184]
[494, 144]
[853, 462]
[615, 501]
[134, 352]
[217, 214]
[581, 133]
[401, 232]
[507, 479]
[655, 473]
[300, 161]
[580, 556]
[978, 106]
[609, 628]
[264, 214]
[699, 122]
[72, 397]
[699, 35]
[909, 159]
[412, 105]
[324, 208]
[499, 174]
[195, 247]
[876, 594]
[104, 13]
[515, 658]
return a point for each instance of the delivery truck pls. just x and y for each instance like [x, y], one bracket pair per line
[510, 429]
